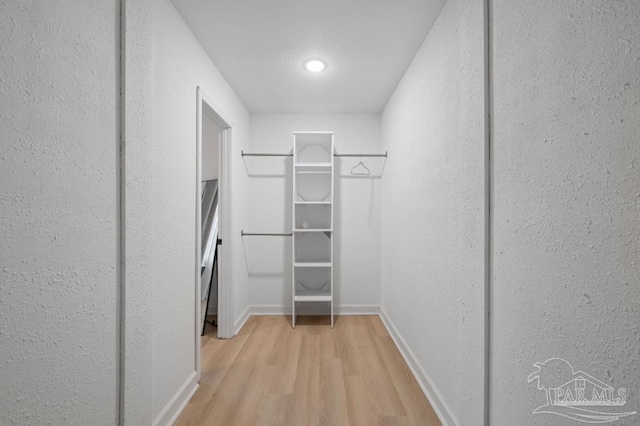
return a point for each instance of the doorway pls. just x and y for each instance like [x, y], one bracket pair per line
[213, 295]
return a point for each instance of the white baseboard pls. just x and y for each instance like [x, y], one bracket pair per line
[237, 326]
[314, 310]
[428, 387]
[174, 407]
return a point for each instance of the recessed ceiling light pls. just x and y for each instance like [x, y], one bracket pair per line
[315, 65]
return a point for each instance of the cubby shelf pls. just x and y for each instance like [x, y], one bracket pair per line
[313, 202]
[314, 166]
[312, 264]
[313, 296]
[312, 215]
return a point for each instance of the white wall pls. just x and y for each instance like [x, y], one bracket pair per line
[356, 215]
[160, 202]
[433, 212]
[210, 148]
[58, 258]
[567, 281]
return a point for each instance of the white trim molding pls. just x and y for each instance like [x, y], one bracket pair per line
[438, 403]
[239, 323]
[174, 407]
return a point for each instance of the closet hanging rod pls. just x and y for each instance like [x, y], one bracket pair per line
[262, 154]
[361, 155]
[262, 234]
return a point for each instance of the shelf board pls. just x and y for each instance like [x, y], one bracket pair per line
[312, 230]
[312, 264]
[313, 133]
[313, 202]
[313, 167]
[313, 296]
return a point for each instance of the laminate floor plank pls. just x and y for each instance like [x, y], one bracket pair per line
[313, 375]
[416, 405]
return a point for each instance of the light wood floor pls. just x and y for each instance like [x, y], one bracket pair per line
[271, 374]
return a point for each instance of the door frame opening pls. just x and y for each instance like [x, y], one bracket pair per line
[225, 293]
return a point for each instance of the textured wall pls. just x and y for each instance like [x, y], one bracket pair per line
[160, 201]
[356, 208]
[58, 223]
[567, 179]
[432, 208]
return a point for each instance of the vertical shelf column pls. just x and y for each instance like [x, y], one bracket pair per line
[312, 248]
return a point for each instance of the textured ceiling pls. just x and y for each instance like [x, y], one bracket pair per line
[259, 46]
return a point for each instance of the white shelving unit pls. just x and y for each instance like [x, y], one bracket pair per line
[312, 219]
